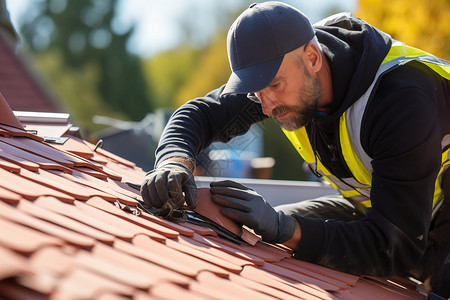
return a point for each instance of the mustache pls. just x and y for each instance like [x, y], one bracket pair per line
[279, 110]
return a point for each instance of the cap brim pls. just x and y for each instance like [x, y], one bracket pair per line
[252, 78]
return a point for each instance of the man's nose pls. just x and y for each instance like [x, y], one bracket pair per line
[267, 102]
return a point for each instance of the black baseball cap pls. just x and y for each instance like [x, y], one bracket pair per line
[257, 42]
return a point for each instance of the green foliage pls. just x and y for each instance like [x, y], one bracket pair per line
[82, 32]
[83, 103]
[186, 72]
[211, 71]
[169, 71]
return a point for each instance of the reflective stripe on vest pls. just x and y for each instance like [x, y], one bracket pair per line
[358, 161]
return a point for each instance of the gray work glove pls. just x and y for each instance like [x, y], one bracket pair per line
[245, 206]
[171, 181]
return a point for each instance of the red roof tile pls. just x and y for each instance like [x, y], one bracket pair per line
[23, 239]
[60, 232]
[68, 231]
[12, 264]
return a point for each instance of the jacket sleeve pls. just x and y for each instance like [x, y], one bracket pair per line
[201, 121]
[401, 132]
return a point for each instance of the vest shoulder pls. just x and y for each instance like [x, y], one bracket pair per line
[413, 75]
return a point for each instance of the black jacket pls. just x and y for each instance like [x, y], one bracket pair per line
[404, 124]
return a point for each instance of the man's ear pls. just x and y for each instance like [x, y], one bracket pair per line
[312, 58]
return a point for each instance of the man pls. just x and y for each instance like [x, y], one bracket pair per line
[367, 113]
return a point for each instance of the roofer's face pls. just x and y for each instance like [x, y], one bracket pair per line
[291, 99]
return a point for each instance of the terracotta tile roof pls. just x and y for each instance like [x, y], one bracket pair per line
[23, 89]
[63, 236]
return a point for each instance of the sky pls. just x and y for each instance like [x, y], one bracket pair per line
[158, 21]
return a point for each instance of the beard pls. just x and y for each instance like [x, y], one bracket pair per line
[306, 108]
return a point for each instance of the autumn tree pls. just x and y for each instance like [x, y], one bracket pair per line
[419, 23]
[169, 71]
[211, 71]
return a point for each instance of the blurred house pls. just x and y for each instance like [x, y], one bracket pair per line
[19, 84]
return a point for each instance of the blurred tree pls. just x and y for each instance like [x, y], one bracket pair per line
[419, 23]
[199, 64]
[79, 88]
[212, 70]
[169, 71]
[85, 37]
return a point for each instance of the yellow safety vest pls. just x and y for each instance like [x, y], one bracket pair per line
[357, 160]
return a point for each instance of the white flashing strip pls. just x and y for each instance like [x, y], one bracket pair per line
[42, 117]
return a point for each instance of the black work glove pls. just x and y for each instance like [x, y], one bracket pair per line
[245, 206]
[171, 181]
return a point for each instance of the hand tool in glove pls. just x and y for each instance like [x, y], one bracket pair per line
[171, 183]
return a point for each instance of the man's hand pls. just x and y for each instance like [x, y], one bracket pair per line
[171, 181]
[245, 206]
